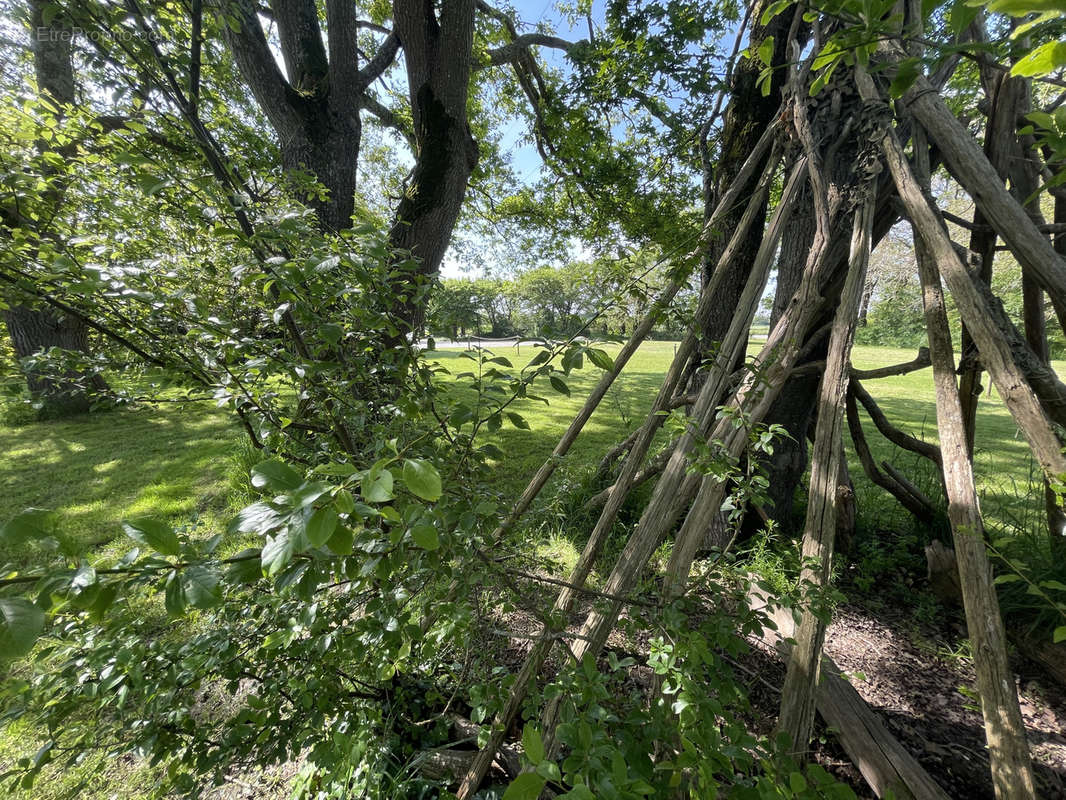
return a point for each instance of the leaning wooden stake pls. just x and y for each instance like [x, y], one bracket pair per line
[676, 486]
[971, 168]
[887, 766]
[974, 310]
[564, 601]
[729, 199]
[1012, 774]
[797, 696]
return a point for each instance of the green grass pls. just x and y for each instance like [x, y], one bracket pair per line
[99, 469]
[94, 471]
[1003, 465]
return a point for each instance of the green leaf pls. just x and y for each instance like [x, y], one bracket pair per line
[1059, 635]
[275, 475]
[1042, 61]
[425, 536]
[601, 359]
[277, 553]
[376, 486]
[526, 786]
[559, 385]
[174, 596]
[85, 576]
[766, 51]
[344, 501]
[248, 570]
[1022, 8]
[331, 332]
[797, 783]
[1009, 578]
[518, 420]
[257, 518]
[341, 542]
[33, 523]
[21, 624]
[961, 15]
[321, 525]
[539, 358]
[201, 587]
[907, 73]
[532, 743]
[153, 533]
[773, 10]
[422, 479]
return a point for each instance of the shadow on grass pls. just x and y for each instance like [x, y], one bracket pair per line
[98, 469]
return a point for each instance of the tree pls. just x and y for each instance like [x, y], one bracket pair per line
[37, 329]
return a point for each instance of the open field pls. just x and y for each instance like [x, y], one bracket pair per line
[1003, 465]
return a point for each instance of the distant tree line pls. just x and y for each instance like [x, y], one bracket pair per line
[548, 301]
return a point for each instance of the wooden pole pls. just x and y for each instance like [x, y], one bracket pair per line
[1012, 774]
[635, 457]
[797, 696]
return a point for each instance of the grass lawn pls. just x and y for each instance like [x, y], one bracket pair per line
[99, 469]
[1005, 470]
[172, 461]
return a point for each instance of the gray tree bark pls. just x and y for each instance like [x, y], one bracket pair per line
[33, 328]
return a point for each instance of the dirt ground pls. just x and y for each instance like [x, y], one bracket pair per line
[924, 693]
[918, 680]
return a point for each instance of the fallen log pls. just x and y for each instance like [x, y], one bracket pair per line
[884, 762]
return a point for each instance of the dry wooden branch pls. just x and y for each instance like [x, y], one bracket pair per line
[1012, 773]
[797, 695]
[922, 511]
[921, 361]
[889, 431]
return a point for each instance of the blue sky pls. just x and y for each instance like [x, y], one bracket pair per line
[530, 14]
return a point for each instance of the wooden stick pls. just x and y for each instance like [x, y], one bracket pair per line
[889, 431]
[565, 599]
[797, 696]
[1012, 774]
[883, 761]
[676, 484]
[969, 166]
[923, 512]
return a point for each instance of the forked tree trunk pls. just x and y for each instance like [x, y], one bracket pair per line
[1012, 774]
[747, 115]
[801, 680]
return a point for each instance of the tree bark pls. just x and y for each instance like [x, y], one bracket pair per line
[35, 328]
[747, 115]
[438, 54]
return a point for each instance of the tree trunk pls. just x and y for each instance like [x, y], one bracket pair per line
[746, 117]
[438, 55]
[37, 329]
